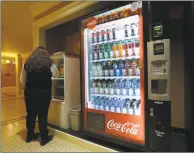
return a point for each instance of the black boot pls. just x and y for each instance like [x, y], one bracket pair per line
[46, 140]
[31, 137]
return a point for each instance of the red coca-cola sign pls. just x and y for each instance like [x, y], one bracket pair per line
[127, 127]
[91, 23]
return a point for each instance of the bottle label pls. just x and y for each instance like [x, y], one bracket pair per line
[137, 72]
[112, 91]
[137, 92]
[117, 72]
[124, 111]
[123, 53]
[137, 51]
[131, 111]
[112, 109]
[118, 91]
[101, 90]
[111, 54]
[117, 53]
[124, 92]
[95, 56]
[123, 72]
[91, 57]
[105, 36]
[100, 55]
[96, 90]
[112, 72]
[130, 92]
[95, 73]
[107, 108]
[92, 90]
[118, 110]
[106, 55]
[129, 51]
[106, 72]
[106, 91]
[130, 71]
[101, 107]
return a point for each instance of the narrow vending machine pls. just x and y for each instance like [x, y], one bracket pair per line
[159, 91]
[112, 63]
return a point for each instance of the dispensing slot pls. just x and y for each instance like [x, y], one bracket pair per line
[159, 87]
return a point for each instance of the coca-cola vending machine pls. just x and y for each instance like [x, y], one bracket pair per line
[113, 97]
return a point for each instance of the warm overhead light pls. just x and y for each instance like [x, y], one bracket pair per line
[5, 54]
[7, 61]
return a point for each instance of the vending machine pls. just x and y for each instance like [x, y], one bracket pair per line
[113, 93]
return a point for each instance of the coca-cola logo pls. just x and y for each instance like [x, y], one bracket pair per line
[91, 23]
[127, 127]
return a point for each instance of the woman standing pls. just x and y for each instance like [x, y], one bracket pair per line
[36, 77]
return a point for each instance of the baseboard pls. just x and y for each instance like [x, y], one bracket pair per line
[178, 130]
[80, 142]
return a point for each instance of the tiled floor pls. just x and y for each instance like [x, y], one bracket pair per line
[13, 140]
[13, 131]
[12, 104]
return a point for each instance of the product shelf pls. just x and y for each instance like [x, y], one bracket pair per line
[115, 40]
[120, 77]
[116, 59]
[117, 96]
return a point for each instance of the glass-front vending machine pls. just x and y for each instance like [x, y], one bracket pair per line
[113, 74]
